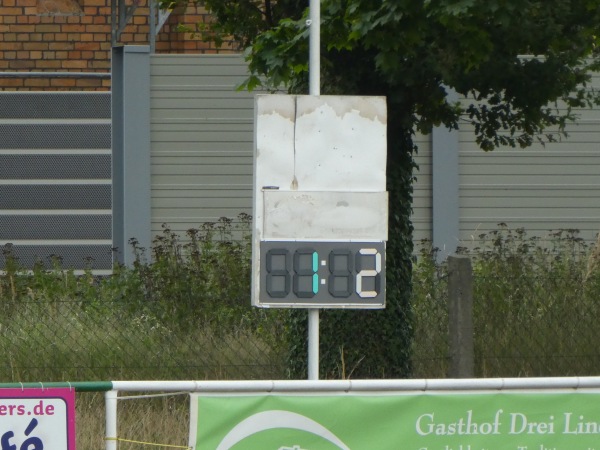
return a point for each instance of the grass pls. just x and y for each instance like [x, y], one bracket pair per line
[163, 420]
[535, 307]
[186, 315]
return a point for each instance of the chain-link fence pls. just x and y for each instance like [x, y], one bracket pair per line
[69, 340]
[184, 316]
[536, 307]
[536, 312]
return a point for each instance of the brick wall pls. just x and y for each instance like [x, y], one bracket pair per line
[75, 36]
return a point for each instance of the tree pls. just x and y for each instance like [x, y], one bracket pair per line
[521, 65]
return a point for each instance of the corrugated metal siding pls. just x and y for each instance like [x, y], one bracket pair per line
[540, 188]
[422, 190]
[202, 161]
[201, 140]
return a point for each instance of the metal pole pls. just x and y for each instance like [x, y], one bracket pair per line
[152, 21]
[314, 64]
[350, 385]
[313, 344]
[110, 402]
[314, 83]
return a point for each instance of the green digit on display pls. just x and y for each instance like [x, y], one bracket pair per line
[315, 275]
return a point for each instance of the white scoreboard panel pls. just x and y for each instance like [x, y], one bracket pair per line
[320, 204]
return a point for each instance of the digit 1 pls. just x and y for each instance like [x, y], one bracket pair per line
[340, 278]
[277, 263]
[368, 273]
[305, 269]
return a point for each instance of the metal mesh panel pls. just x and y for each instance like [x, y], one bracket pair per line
[55, 167]
[71, 256]
[62, 122]
[50, 196]
[55, 136]
[37, 226]
[55, 105]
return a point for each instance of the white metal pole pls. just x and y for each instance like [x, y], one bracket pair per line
[110, 402]
[314, 88]
[350, 385]
[313, 344]
[314, 65]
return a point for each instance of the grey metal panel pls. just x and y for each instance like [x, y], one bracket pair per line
[201, 147]
[179, 135]
[225, 168]
[171, 94]
[38, 226]
[192, 79]
[445, 186]
[422, 211]
[478, 225]
[54, 105]
[202, 137]
[55, 196]
[57, 136]
[207, 191]
[190, 203]
[97, 257]
[131, 149]
[210, 179]
[219, 67]
[30, 167]
[49, 141]
[540, 188]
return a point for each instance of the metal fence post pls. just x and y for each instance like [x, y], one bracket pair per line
[460, 315]
[110, 398]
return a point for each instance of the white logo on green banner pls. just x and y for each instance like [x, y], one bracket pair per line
[424, 421]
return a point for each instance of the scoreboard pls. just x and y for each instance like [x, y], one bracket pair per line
[320, 209]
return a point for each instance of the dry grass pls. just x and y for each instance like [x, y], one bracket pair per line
[163, 420]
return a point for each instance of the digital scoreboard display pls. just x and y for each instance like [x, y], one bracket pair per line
[320, 205]
[299, 273]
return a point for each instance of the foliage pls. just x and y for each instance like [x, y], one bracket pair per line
[211, 267]
[535, 306]
[535, 314]
[414, 53]
[185, 314]
[238, 21]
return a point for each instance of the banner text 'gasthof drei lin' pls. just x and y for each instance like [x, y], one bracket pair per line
[556, 420]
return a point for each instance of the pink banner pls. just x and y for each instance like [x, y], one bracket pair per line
[37, 419]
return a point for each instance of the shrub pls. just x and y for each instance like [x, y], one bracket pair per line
[534, 312]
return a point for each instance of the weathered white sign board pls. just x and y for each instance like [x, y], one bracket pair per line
[320, 201]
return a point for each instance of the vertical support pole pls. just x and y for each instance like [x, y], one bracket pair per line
[152, 21]
[314, 78]
[460, 315]
[110, 402]
[445, 187]
[113, 23]
[314, 63]
[131, 149]
[313, 344]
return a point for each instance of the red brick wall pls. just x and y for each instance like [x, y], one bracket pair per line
[75, 36]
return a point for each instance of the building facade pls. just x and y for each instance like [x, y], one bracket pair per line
[40, 40]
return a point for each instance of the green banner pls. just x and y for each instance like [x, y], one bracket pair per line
[424, 421]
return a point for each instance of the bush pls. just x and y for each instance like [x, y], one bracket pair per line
[535, 306]
[184, 314]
